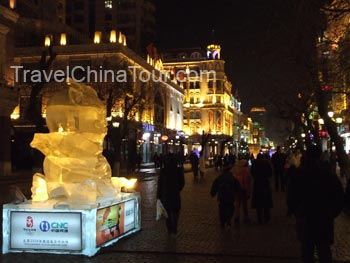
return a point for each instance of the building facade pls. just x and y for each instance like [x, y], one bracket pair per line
[153, 103]
[209, 106]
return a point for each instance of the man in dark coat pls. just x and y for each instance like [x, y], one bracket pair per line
[261, 172]
[170, 183]
[278, 160]
[194, 160]
[225, 186]
[315, 197]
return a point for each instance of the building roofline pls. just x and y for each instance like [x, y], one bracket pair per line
[100, 49]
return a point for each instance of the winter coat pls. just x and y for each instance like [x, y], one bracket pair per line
[315, 197]
[278, 160]
[170, 183]
[225, 186]
[261, 172]
[242, 174]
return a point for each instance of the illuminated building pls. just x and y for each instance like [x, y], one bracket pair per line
[209, 105]
[258, 115]
[160, 110]
[135, 18]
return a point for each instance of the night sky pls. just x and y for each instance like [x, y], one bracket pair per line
[255, 37]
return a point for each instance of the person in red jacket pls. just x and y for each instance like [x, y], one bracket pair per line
[242, 174]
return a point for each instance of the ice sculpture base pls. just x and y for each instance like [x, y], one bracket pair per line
[38, 227]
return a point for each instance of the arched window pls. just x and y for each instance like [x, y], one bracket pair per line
[182, 55]
[196, 55]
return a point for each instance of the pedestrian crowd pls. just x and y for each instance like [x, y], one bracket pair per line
[314, 193]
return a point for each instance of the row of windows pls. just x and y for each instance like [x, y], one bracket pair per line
[126, 4]
[196, 84]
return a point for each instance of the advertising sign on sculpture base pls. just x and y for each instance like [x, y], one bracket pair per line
[39, 228]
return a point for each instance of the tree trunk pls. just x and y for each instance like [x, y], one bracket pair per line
[331, 126]
[116, 169]
[116, 141]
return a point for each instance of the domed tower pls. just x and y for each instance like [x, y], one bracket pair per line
[213, 51]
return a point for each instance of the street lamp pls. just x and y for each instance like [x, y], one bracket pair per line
[339, 120]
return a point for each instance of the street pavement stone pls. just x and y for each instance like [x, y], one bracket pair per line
[200, 238]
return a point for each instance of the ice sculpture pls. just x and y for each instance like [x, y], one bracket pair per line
[74, 167]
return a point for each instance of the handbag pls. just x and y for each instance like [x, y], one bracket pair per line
[161, 212]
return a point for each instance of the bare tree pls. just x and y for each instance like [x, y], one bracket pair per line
[125, 100]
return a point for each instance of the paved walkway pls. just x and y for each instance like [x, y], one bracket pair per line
[200, 238]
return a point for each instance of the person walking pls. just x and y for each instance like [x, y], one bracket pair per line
[292, 163]
[225, 187]
[278, 160]
[171, 181]
[156, 160]
[194, 160]
[261, 172]
[242, 174]
[316, 198]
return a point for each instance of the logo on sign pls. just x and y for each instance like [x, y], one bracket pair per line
[44, 226]
[29, 221]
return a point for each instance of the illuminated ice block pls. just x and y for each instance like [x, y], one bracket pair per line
[74, 167]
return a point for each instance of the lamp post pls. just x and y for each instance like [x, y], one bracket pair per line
[338, 121]
[113, 126]
[165, 141]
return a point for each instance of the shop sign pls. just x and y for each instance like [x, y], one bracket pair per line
[46, 230]
[147, 127]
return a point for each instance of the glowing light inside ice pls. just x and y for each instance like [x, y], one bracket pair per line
[74, 167]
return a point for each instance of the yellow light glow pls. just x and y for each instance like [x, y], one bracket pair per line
[338, 120]
[47, 40]
[113, 36]
[39, 189]
[123, 183]
[60, 129]
[120, 38]
[97, 37]
[63, 40]
[131, 183]
[12, 4]
[124, 40]
[15, 114]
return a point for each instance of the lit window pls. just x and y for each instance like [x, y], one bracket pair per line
[108, 4]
